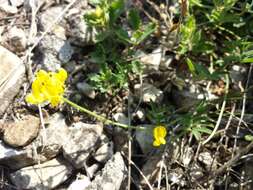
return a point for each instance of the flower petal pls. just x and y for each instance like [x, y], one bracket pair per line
[48, 87]
[159, 134]
[156, 143]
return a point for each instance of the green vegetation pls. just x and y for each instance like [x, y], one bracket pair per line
[213, 36]
[116, 42]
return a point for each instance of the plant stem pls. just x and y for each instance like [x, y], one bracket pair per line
[98, 117]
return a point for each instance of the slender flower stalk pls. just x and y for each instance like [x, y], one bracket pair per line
[98, 117]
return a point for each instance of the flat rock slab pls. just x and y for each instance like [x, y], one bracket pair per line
[40, 150]
[79, 184]
[104, 152]
[79, 31]
[21, 133]
[13, 158]
[42, 177]
[145, 139]
[12, 72]
[111, 176]
[83, 140]
[148, 93]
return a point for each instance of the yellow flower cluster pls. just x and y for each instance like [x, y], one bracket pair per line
[159, 133]
[48, 87]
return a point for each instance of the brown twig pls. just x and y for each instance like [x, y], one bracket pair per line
[233, 160]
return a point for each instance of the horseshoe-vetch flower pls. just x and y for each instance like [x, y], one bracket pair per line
[48, 87]
[159, 134]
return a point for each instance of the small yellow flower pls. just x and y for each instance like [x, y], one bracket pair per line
[48, 87]
[98, 12]
[159, 133]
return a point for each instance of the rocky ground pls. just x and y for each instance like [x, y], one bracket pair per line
[76, 152]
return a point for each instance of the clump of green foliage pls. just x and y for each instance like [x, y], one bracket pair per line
[218, 29]
[117, 40]
[214, 35]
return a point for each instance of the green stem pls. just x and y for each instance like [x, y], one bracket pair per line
[98, 117]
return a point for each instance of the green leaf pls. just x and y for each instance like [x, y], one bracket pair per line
[98, 56]
[116, 9]
[247, 60]
[123, 35]
[136, 66]
[195, 2]
[248, 137]
[203, 130]
[248, 53]
[134, 19]
[196, 134]
[191, 66]
[140, 36]
[95, 2]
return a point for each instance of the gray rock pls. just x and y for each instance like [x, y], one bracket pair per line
[56, 133]
[17, 3]
[148, 93]
[55, 49]
[86, 89]
[59, 31]
[40, 150]
[49, 16]
[30, 4]
[80, 184]
[50, 47]
[79, 32]
[8, 8]
[196, 172]
[104, 152]
[12, 72]
[166, 62]
[177, 177]
[190, 96]
[30, 155]
[70, 66]
[112, 175]
[50, 62]
[83, 140]
[66, 52]
[52, 43]
[121, 118]
[92, 170]
[145, 138]
[2, 28]
[187, 156]
[140, 114]
[14, 158]
[42, 176]
[151, 169]
[238, 73]
[17, 39]
[80, 5]
[208, 160]
[151, 61]
[21, 133]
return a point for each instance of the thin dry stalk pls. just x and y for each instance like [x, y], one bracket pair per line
[129, 146]
[142, 175]
[243, 110]
[220, 115]
[44, 135]
[233, 160]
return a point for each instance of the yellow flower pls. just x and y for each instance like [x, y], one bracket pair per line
[48, 87]
[98, 12]
[159, 133]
